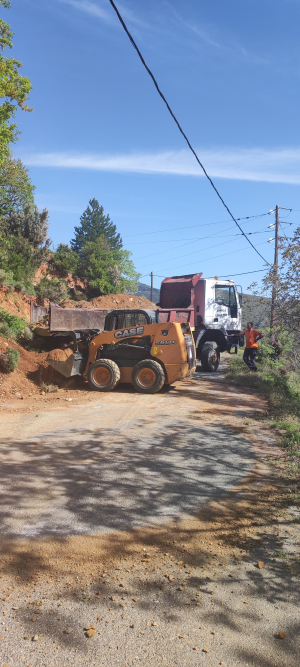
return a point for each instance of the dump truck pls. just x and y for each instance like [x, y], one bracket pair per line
[212, 308]
[119, 346]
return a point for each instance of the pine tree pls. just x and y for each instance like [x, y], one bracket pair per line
[93, 225]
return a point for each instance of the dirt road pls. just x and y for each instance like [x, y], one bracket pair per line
[144, 517]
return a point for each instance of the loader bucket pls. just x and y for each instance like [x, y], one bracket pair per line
[66, 365]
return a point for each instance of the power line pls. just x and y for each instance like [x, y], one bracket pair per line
[201, 238]
[231, 252]
[198, 238]
[194, 252]
[232, 275]
[179, 126]
[241, 274]
[182, 245]
[204, 224]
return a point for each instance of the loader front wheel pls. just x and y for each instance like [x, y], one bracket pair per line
[103, 375]
[210, 357]
[148, 376]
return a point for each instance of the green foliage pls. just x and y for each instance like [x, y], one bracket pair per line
[93, 225]
[9, 360]
[109, 271]
[14, 90]
[65, 260]
[19, 261]
[16, 189]
[30, 224]
[278, 378]
[286, 283]
[6, 278]
[52, 288]
[11, 326]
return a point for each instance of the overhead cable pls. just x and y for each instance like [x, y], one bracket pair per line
[179, 126]
[231, 252]
[198, 238]
[245, 273]
[231, 237]
[194, 252]
[203, 224]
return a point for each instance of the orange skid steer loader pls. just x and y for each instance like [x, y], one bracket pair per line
[134, 347]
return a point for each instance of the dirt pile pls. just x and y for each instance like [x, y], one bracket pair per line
[15, 303]
[113, 301]
[31, 371]
[59, 355]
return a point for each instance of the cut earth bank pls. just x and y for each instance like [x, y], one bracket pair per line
[159, 520]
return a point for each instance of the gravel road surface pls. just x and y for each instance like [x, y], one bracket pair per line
[151, 524]
[113, 466]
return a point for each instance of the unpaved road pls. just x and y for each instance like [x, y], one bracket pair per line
[144, 517]
[126, 461]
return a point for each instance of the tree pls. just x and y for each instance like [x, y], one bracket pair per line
[16, 189]
[14, 89]
[65, 260]
[19, 261]
[29, 223]
[94, 224]
[108, 271]
[287, 283]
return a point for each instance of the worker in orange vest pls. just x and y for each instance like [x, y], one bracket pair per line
[252, 337]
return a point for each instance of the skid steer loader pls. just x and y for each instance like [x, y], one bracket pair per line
[134, 347]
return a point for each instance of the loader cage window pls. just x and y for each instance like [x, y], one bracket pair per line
[126, 319]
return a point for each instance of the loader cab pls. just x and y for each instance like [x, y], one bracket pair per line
[121, 319]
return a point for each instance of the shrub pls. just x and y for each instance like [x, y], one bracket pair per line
[65, 260]
[6, 277]
[9, 360]
[11, 326]
[54, 289]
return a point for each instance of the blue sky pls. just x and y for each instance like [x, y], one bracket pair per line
[230, 71]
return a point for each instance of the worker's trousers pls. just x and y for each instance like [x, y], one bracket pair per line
[249, 357]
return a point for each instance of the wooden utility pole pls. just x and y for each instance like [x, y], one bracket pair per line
[151, 299]
[275, 272]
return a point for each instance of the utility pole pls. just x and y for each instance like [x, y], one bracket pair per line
[275, 273]
[151, 299]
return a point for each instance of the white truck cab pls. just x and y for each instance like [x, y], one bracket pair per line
[213, 309]
[222, 306]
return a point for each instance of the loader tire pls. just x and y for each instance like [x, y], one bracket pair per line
[103, 375]
[148, 376]
[210, 357]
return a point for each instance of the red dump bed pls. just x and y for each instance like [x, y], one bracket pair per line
[178, 298]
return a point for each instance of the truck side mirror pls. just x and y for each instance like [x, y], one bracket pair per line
[241, 299]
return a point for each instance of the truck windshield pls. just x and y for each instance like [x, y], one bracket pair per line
[222, 295]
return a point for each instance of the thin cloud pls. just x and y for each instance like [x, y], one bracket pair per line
[254, 164]
[99, 12]
[89, 8]
[206, 37]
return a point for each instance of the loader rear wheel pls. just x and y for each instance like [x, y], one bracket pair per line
[148, 376]
[210, 357]
[103, 375]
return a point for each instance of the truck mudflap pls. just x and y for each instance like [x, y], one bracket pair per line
[68, 366]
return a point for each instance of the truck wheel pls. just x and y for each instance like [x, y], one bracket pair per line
[148, 376]
[210, 357]
[103, 375]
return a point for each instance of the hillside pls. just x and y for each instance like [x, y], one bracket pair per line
[145, 290]
[257, 310]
